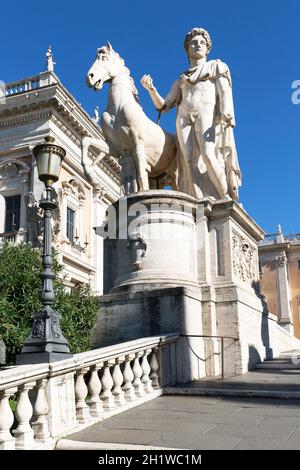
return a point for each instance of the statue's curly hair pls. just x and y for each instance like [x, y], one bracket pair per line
[196, 32]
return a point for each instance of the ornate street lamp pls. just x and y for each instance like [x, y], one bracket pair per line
[46, 342]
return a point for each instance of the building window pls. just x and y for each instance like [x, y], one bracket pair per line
[298, 264]
[12, 213]
[70, 223]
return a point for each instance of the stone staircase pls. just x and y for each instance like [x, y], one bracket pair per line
[289, 360]
[276, 378]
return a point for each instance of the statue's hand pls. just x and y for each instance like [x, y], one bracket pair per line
[147, 83]
[227, 120]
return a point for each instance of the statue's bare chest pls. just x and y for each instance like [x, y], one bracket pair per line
[197, 95]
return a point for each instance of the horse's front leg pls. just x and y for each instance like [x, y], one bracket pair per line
[140, 161]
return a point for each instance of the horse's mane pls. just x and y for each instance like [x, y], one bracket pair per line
[105, 50]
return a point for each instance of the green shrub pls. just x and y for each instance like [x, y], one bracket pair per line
[20, 267]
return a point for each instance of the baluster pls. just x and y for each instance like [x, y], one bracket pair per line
[154, 365]
[41, 409]
[7, 441]
[118, 381]
[94, 388]
[107, 384]
[146, 371]
[24, 411]
[128, 379]
[137, 370]
[81, 391]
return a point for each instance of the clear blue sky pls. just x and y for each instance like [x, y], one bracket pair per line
[259, 40]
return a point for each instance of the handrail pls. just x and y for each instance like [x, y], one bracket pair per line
[9, 236]
[94, 385]
[211, 336]
[222, 346]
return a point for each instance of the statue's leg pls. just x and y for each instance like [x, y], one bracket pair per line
[140, 161]
[205, 135]
[189, 175]
[128, 176]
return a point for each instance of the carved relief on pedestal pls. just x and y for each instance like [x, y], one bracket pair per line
[244, 258]
[138, 248]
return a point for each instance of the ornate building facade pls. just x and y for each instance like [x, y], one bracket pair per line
[280, 278]
[30, 110]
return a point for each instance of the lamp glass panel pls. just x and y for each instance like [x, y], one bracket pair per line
[54, 165]
[48, 165]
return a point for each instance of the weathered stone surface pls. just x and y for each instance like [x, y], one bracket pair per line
[2, 352]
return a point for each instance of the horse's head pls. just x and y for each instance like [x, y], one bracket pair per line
[106, 66]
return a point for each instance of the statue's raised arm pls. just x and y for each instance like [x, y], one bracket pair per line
[157, 100]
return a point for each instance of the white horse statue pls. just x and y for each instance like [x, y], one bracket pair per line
[144, 147]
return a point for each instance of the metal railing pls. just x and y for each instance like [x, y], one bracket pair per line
[9, 236]
[222, 338]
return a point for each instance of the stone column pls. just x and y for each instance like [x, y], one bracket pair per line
[285, 315]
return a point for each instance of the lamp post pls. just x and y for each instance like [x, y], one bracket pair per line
[46, 342]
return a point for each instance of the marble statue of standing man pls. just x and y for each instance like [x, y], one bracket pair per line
[207, 158]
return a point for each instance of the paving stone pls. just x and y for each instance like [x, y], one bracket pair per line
[255, 430]
[194, 441]
[130, 436]
[288, 420]
[268, 444]
[162, 425]
[276, 413]
[176, 402]
[192, 423]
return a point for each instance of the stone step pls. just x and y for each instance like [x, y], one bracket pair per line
[233, 392]
[264, 383]
[278, 365]
[290, 354]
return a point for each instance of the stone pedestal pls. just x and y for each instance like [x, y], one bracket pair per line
[186, 266]
[155, 242]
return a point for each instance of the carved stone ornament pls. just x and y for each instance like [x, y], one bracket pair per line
[14, 169]
[73, 186]
[138, 248]
[281, 260]
[55, 328]
[99, 192]
[244, 258]
[38, 327]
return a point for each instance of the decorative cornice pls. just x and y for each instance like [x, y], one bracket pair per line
[62, 126]
[25, 119]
